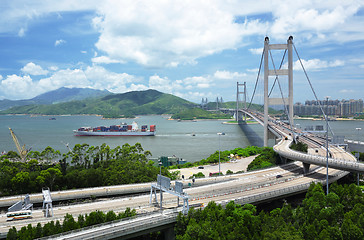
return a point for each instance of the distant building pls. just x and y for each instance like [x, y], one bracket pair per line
[331, 107]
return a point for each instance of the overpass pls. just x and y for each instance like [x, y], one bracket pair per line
[339, 158]
[252, 187]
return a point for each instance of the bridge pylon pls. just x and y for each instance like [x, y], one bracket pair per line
[240, 103]
[276, 73]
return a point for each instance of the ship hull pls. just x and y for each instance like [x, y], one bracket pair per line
[113, 134]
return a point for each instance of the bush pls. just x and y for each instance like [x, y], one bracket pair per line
[197, 175]
[69, 224]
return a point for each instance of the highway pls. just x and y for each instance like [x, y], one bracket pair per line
[226, 189]
[251, 187]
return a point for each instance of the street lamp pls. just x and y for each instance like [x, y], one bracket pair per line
[327, 146]
[358, 129]
[219, 148]
[160, 182]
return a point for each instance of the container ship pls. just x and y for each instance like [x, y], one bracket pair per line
[117, 130]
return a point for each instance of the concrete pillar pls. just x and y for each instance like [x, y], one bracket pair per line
[169, 233]
[266, 100]
[290, 80]
[237, 102]
[306, 168]
[245, 101]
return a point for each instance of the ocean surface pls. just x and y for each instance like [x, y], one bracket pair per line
[172, 137]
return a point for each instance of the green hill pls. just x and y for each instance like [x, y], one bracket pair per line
[62, 94]
[114, 105]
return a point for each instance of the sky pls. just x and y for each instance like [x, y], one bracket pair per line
[193, 49]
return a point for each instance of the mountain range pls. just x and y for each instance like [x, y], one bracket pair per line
[111, 105]
[64, 101]
[57, 96]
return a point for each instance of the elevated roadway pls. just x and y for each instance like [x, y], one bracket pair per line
[252, 187]
[339, 158]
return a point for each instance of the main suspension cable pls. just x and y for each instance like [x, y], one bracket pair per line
[256, 82]
[314, 93]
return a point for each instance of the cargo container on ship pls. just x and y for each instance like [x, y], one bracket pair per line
[117, 130]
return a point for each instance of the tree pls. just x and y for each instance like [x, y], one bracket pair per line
[49, 153]
[12, 234]
[50, 175]
[69, 223]
[110, 216]
[95, 218]
[21, 181]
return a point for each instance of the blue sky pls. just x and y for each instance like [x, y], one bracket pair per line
[193, 49]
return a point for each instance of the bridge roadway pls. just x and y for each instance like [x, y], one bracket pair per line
[342, 159]
[251, 187]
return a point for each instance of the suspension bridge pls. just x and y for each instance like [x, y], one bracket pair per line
[324, 163]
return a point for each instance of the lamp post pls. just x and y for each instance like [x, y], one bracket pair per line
[327, 147]
[219, 148]
[160, 183]
[358, 129]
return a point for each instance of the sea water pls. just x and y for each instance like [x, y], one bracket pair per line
[190, 140]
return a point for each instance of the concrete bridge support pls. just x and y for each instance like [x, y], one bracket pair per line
[306, 168]
[277, 72]
[169, 233]
[238, 115]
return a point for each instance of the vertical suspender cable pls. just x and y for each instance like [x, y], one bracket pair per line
[314, 93]
[256, 82]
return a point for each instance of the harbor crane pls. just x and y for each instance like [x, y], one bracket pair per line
[23, 152]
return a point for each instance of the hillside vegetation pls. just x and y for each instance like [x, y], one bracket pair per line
[56, 96]
[338, 215]
[114, 105]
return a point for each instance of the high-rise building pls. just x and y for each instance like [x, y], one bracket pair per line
[330, 107]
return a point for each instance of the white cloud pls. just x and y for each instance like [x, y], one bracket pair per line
[33, 69]
[346, 91]
[14, 86]
[105, 59]
[228, 75]
[316, 64]
[162, 33]
[321, 19]
[256, 51]
[95, 77]
[21, 32]
[361, 66]
[59, 42]
[53, 68]
[100, 78]
[254, 70]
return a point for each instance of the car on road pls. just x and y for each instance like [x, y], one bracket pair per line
[201, 167]
[279, 176]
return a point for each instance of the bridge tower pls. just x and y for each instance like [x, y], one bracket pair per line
[276, 73]
[243, 102]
